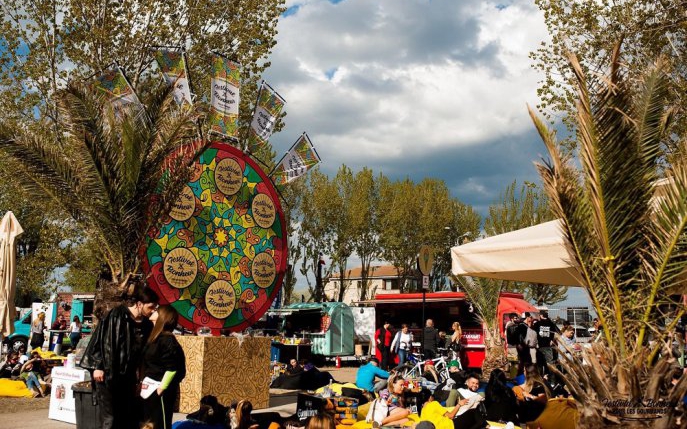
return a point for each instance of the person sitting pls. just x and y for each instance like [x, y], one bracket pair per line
[321, 421]
[500, 400]
[10, 368]
[243, 418]
[210, 415]
[469, 412]
[31, 373]
[294, 367]
[393, 395]
[532, 395]
[365, 377]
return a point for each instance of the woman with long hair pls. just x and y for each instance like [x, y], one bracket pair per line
[403, 341]
[37, 327]
[500, 400]
[454, 344]
[75, 332]
[164, 362]
[533, 394]
[393, 395]
[243, 417]
[321, 421]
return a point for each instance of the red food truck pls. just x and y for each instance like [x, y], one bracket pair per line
[444, 308]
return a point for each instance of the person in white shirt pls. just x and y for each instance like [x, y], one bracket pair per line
[402, 343]
[75, 331]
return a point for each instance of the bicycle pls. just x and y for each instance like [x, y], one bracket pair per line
[416, 369]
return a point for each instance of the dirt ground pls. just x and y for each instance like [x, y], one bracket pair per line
[345, 374]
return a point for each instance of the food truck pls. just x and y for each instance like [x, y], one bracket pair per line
[314, 330]
[444, 308]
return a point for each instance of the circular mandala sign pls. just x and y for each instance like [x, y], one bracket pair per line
[220, 257]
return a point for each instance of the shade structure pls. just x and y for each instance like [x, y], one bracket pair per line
[9, 230]
[538, 254]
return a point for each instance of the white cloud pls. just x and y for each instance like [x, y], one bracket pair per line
[374, 80]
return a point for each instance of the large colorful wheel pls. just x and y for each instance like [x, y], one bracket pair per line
[220, 257]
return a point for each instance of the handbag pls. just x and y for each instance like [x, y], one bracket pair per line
[378, 411]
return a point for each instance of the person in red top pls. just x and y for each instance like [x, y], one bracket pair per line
[383, 339]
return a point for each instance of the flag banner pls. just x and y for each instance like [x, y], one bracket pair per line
[116, 87]
[224, 109]
[267, 112]
[173, 67]
[298, 160]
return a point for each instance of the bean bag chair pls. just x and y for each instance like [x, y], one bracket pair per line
[14, 389]
[560, 413]
[287, 381]
[434, 412]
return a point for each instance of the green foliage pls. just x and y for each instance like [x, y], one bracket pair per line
[648, 28]
[628, 241]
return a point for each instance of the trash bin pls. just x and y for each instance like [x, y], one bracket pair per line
[56, 341]
[86, 409]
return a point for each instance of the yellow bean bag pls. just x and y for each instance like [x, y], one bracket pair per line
[14, 388]
[47, 354]
[336, 388]
[560, 413]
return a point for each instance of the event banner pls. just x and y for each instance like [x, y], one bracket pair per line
[267, 112]
[173, 67]
[224, 109]
[116, 87]
[298, 160]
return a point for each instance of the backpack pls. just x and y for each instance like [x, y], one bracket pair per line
[378, 411]
[512, 335]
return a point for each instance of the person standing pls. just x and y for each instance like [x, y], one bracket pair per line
[75, 332]
[531, 339]
[430, 340]
[164, 361]
[383, 342]
[37, 335]
[546, 331]
[114, 353]
[454, 345]
[403, 341]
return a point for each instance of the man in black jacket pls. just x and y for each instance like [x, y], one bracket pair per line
[430, 339]
[114, 353]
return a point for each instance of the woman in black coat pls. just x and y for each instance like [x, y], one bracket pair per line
[164, 362]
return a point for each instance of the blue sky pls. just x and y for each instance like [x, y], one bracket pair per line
[414, 88]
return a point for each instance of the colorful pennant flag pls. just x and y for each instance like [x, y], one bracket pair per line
[266, 113]
[173, 67]
[298, 160]
[118, 90]
[224, 109]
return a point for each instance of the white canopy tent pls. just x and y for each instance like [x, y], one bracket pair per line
[537, 254]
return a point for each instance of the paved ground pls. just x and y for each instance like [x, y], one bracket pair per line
[33, 413]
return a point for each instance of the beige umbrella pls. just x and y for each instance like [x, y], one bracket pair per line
[537, 254]
[9, 230]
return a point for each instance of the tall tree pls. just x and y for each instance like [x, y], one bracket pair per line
[649, 28]
[342, 246]
[104, 172]
[316, 233]
[364, 204]
[630, 246]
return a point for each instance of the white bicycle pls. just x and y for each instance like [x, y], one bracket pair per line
[416, 368]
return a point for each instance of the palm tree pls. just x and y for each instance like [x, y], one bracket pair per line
[484, 295]
[116, 176]
[629, 245]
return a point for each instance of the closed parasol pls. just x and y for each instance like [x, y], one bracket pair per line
[9, 230]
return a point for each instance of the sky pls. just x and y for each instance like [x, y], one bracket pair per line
[415, 88]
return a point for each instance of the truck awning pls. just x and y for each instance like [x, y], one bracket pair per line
[412, 298]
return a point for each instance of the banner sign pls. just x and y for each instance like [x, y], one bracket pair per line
[220, 257]
[116, 87]
[298, 160]
[224, 109]
[173, 67]
[267, 112]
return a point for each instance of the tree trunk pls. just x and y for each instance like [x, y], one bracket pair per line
[495, 356]
[108, 294]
